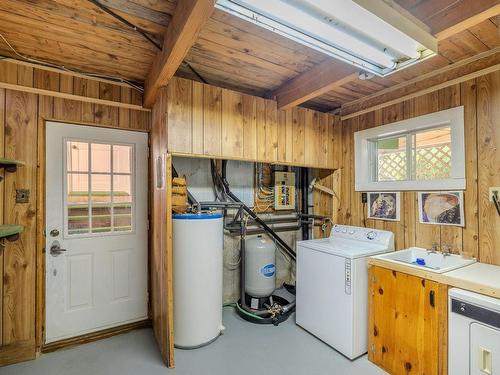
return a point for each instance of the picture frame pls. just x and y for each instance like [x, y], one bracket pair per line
[384, 206]
[441, 208]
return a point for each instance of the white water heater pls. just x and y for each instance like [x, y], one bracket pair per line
[260, 266]
[198, 246]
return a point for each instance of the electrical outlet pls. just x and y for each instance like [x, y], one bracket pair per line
[22, 195]
[494, 190]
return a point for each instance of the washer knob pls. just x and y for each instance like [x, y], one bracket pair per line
[371, 235]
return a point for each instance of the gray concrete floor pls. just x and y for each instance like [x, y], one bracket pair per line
[243, 349]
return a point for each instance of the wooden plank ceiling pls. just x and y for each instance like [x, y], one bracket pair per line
[228, 52]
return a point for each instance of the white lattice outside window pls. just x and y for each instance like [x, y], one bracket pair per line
[425, 152]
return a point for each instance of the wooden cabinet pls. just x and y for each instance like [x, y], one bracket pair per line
[207, 121]
[407, 328]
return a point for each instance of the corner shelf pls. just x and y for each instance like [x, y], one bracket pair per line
[10, 231]
[10, 165]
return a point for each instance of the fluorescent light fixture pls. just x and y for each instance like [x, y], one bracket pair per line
[370, 34]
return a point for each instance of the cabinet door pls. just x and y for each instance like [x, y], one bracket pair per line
[406, 331]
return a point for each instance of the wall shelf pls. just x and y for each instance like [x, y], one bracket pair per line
[10, 165]
[10, 231]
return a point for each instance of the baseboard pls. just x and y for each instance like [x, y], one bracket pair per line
[17, 352]
[94, 336]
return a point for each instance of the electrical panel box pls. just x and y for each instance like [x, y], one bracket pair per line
[284, 190]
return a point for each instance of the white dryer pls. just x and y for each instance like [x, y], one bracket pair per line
[332, 286]
[473, 333]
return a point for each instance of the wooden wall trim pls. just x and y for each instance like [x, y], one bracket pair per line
[62, 95]
[65, 72]
[476, 66]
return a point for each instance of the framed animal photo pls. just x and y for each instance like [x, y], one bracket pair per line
[441, 207]
[384, 206]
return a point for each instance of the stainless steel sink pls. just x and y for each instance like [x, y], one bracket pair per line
[418, 257]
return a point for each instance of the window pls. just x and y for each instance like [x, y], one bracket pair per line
[99, 188]
[425, 152]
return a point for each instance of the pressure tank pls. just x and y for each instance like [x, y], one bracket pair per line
[260, 266]
[198, 246]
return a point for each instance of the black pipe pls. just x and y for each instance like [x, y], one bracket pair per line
[253, 215]
[304, 206]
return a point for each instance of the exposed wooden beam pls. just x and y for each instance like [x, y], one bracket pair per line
[187, 21]
[320, 79]
[469, 22]
[330, 74]
[463, 70]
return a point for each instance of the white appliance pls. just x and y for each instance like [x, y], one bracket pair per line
[198, 244]
[332, 286]
[473, 333]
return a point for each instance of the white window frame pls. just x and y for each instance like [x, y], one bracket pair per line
[365, 154]
[132, 175]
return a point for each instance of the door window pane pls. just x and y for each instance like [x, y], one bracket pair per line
[121, 159]
[77, 156]
[122, 191]
[101, 188]
[391, 159]
[78, 219]
[100, 157]
[78, 188]
[101, 218]
[122, 217]
[433, 154]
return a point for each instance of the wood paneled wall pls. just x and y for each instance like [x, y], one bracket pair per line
[22, 131]
[481, 235]
[161, 232]
[207, 121]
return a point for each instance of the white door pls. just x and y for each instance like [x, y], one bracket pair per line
[96, 229]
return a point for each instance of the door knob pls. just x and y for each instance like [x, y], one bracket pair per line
[55, 249]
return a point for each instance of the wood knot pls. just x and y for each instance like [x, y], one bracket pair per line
[384, 350]
[423, 283]
[380, 291]
[408, 366]
[394, 273]
[375, 331]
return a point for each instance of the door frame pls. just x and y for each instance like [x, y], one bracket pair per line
[40, 315]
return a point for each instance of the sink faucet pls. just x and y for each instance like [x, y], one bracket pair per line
[446, 250]
[433, 249]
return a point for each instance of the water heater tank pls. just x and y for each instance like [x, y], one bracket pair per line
[260, 266]
[198, 246]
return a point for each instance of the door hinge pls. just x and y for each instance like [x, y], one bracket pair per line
[147, 223]
[148, 151]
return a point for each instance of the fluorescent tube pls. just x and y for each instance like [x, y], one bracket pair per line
[342, 29]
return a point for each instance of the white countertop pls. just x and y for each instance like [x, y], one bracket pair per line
[485, 278]
[478, 277]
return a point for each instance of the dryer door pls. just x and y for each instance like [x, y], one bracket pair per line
[484, 350]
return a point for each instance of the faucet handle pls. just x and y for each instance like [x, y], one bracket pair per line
[435, 246]
[446, 249]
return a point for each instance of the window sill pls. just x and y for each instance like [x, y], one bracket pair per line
[440, 185]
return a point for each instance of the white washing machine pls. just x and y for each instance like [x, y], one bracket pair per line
[473, 333]
[332, 286]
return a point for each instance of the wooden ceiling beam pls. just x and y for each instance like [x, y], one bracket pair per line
[317, 81]
[469, 22]
[331, 74]
[186, 23]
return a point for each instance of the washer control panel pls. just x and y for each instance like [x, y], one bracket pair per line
[381, 237]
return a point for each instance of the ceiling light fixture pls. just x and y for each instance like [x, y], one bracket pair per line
[371, 34]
